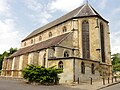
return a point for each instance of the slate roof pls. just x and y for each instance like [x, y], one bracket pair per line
[86, 10]
[39, 46]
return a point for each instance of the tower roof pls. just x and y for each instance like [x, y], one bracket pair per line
[86, 10]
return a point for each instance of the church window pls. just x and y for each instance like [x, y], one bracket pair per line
[60, 65]
[85, 40]
[31, 41]
[40, 38]
[50, 34]
[102, 42]
[92, 69]
[24, 43]
[64, 29]
[82, 68]
[66, 54]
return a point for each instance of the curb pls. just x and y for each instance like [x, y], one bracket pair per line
[109, 85]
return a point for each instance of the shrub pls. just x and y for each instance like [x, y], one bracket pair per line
[41, 75]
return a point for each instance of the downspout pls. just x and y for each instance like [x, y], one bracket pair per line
[73, 69]
[75, 32]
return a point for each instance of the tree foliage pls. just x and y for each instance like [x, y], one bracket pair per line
[41, 75]
[6, 54]
[116, 61]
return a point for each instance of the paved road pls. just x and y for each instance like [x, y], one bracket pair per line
[113, 87]
[20, 85]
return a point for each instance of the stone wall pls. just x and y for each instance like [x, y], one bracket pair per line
[33, 58]
[56, 30]
[25, 60]
[6, 67]
[94, 35]
[41, 57]
[72, 69]
[88, 74]
[76, 39]
[67, 75]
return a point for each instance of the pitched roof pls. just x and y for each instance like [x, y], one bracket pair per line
[39, 46]
[86, 10]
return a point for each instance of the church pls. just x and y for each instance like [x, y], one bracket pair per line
[78, 43]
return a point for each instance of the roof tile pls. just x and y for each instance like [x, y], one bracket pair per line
[39, 46]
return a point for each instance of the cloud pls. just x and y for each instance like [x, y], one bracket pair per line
[65, 5]
[102, 4]
[41, 17]
[39, 10]
[114, 12]
[33, 5]
[115, 43]
[9, 37]
[42, 11]
[5, 7]
[115, 33]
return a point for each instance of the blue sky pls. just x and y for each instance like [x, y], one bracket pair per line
[18, 18]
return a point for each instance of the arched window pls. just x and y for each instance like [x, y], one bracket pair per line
[64, 29]
[92, 69]
[31, 41]
[40, 38]
[50, 34]
[66, 53]
[44, 60]
[85, 40]
[102, 42]
[24, 43]
[60, 65]
[82, 68]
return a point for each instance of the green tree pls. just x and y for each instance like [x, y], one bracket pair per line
[116, 61]
[41, 75]
[12, 50]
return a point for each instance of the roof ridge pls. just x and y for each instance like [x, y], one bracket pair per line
[91, 9]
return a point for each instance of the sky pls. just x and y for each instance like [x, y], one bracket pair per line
[18, 18]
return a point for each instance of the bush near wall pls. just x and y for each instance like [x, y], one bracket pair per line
[39, 74]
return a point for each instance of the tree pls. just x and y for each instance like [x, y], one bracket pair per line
[6, 54]
[41, 75]
[116, 62]
[12, 50]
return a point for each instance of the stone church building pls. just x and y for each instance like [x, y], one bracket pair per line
[78, 42]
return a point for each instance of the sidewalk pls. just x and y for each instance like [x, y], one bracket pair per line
[96, 85]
